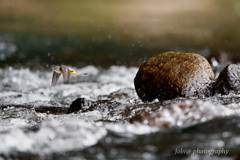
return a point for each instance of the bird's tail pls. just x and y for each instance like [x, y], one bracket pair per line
[84, 74]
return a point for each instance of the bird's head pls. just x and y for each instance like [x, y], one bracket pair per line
[72, 72]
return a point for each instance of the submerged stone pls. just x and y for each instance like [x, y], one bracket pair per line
[174, 74]
[82, 105]
[183, 114]
[228, 80]
[102, 105]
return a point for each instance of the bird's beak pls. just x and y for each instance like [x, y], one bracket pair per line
[73, 72]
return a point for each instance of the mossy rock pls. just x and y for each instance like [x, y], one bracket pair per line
[174, 74]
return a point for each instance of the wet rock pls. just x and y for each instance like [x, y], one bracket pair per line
[174, 74]
[76, 105]
[229, 80]
[80, 104]
[183, 114]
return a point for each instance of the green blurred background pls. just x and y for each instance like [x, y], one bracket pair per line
[114, 32]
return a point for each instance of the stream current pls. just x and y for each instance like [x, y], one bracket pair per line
[34, 122]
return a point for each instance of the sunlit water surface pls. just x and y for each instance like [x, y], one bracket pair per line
[34, 122]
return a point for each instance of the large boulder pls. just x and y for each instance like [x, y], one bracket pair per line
[229, 80]
[174, 74]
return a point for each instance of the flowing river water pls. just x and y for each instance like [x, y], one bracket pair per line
[34, 123]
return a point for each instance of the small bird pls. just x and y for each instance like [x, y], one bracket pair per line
[65, 71]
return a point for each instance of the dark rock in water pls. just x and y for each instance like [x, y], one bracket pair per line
[174, 74]
[76, 105]
[229, 80]
[84, 106]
